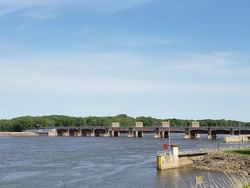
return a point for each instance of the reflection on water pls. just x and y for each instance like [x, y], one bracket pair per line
[76, 162]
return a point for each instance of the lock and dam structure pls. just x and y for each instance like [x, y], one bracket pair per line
[138, 130]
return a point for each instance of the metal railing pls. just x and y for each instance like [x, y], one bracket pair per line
[219, 147]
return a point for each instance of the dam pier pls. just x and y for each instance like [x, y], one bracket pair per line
[138, 130]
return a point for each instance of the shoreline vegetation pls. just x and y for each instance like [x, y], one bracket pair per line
[246, 186]
[241, 152]
[35, 122]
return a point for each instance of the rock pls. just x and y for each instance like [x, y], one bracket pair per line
[218, 161]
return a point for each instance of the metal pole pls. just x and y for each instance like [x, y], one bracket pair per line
[239, 136]
[169, 138]
[240, 132]
[239, 128]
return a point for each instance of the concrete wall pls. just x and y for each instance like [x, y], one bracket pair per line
[52, 132]
[165, 124]
[18, 134]
[241, 138]
[195, 124]
[139, 124]
[115, 124]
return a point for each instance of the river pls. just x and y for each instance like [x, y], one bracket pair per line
[76, 162]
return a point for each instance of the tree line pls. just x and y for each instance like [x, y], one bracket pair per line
[35, 122]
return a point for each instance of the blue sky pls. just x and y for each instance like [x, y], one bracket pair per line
[164, 58]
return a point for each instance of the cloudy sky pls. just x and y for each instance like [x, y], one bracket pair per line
[163, 58]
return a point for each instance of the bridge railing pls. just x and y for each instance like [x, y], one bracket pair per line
[218, 147]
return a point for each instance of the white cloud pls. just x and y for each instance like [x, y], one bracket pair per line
[113, 5]
[126, 73]
[144, 42]
[28, 3]
[205, 63]
[130, 83]
[8, 10]
[9, 6]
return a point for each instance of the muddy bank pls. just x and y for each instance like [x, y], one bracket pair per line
[18, 134]
[222, 162]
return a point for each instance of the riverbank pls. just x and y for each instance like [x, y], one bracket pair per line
[243, 152]
[227, 162]
[18, 134]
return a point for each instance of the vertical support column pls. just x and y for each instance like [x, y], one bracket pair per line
[130, 133]
[111, 133]
[231, 131]
[114, 133]
[115, 129]
[187, 133]
[65, 133]
[196, 125]
[157, 133]
[92, 133]
[107, 133]
[79, 133]
[209, 134]
[135, 134]
[162, 134]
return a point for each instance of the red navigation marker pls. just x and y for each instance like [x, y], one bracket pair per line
[165, 146]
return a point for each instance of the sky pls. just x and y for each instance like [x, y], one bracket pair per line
[185, 59]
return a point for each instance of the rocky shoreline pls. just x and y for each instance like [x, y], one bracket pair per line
[222, 162]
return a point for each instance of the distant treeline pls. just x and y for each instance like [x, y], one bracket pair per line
[30, 122]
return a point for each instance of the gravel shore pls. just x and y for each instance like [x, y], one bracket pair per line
[222, 162]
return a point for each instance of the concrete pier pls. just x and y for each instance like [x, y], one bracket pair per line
[130, 133]
[115, 131]
[211, 134]
[192, 134]
[187, 133]
[52, 132]
[159, 133]
[163, 131]
[92, 134]
[172, 158]
[168, 160]
[136, 132]
[107, 133]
